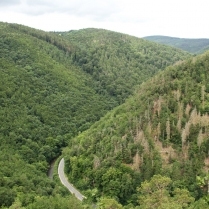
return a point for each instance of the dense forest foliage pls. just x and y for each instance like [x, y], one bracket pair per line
[44, 101]
[54, 86]
[154, 148]
[119, 62]
[195, 46]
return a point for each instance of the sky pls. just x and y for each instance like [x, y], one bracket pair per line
[176, 18]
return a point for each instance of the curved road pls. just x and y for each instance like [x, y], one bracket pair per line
[65, 182]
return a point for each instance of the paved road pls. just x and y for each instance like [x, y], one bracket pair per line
[65, 182]
[51, 169]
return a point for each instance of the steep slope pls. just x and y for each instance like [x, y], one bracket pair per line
[44, 101]
[119, 62]
[163, 129]
[195, 46]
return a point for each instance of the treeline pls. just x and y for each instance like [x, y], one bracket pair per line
[51, 38]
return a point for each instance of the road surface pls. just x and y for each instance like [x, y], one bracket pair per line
[51, 169]
[65, 182]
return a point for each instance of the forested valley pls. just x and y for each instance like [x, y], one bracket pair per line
[129, 116]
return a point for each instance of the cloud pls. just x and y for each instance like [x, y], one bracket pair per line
[4, 3]
[139, 18]
[96, 10]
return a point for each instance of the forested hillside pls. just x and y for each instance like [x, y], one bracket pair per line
[44, 100]
[153, 149]
[119, 62]
[48, 95]
[195, 46]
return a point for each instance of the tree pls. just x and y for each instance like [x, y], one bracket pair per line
[200, 204]
[17, 205]
[111, 182]
[203, 182]
[108, 203]
[155, 194]
[7, 196]
[182, 197]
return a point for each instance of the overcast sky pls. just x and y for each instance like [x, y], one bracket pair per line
[177, 18]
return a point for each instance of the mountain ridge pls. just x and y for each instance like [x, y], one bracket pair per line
[122, 57]
[195, 46]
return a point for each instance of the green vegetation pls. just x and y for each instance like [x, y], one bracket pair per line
[55, 87]
[162, 130]
[155, 194]
[195, 46]
[44, 101]
[118, 62]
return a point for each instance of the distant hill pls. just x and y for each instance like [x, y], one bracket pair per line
[195, 46]
[163, 129]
